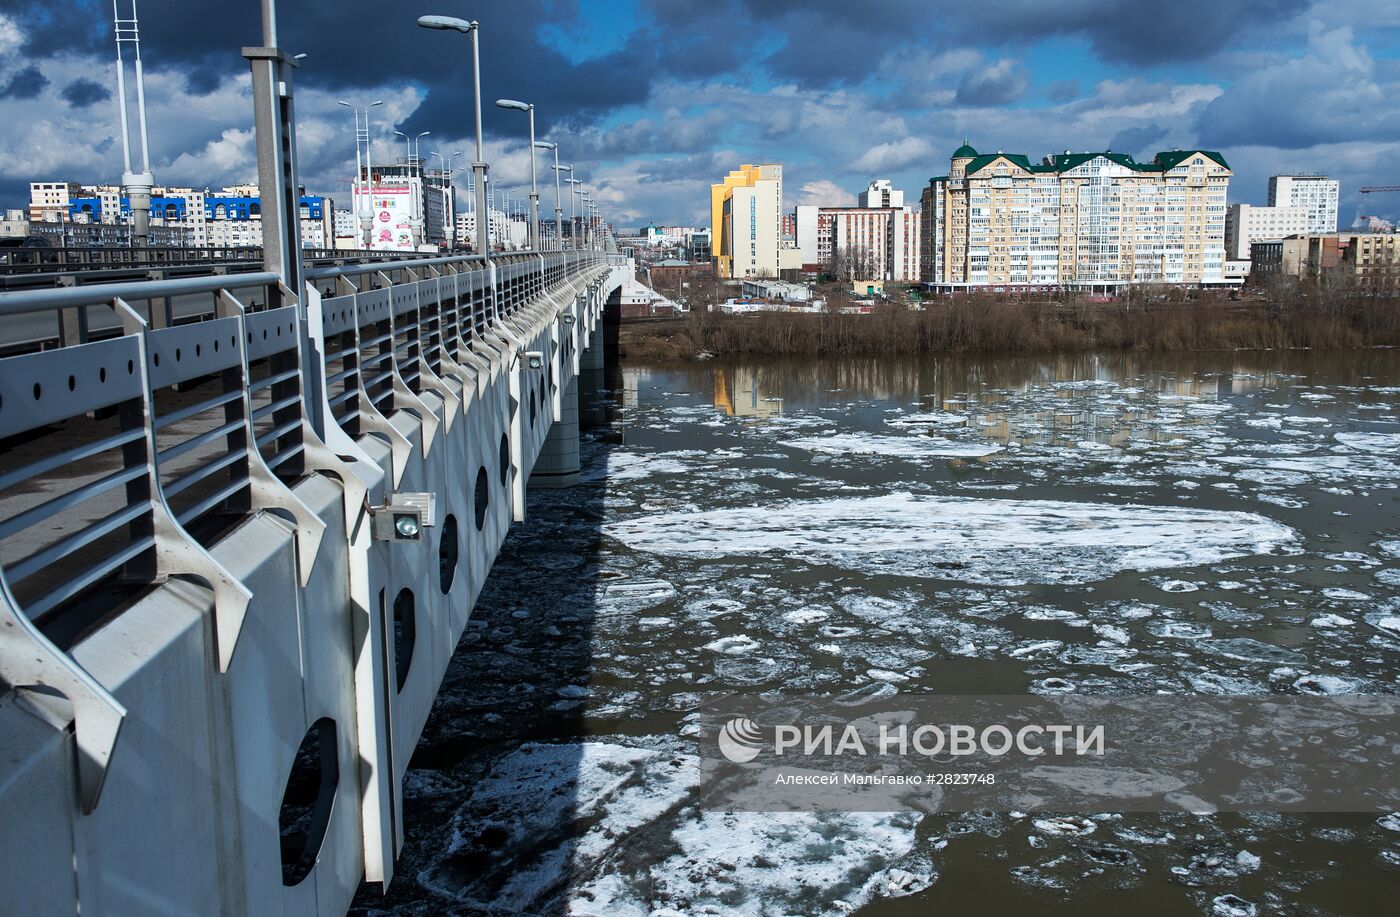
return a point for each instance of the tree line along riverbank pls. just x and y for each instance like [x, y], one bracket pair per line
[1321, 319]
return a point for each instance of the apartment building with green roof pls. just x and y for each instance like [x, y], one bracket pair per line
[1080, 220]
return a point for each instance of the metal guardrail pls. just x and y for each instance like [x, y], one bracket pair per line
[40, 259]
[126, 457]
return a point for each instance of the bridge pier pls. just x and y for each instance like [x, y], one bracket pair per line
[558, 463]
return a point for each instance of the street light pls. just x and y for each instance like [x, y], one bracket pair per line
[366, 211]
[483, 219]
[415, 219]
[449, 196]
[411, 146]
[577, 193]
[558, 206]
[529, 109]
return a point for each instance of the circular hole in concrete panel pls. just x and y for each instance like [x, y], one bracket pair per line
[307, 801]
[38, 391]
[72, 383]
[505, 459]
[405, 634]
[481, 498]
[449, 550]
[532, 412]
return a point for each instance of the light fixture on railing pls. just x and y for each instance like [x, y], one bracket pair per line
[533, 358]
[404, 517]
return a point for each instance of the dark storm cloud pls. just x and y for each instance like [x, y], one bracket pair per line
[1000, 84]
[699, 167]
[24, 84]
[84, 92]
[361, 43]
[358, 43]
[836, 41]
[1136, 140]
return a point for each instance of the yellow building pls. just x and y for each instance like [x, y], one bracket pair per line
[746, 220]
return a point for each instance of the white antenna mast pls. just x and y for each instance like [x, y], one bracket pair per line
[136, 185]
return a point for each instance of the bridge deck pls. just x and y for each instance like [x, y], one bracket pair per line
[189, 556]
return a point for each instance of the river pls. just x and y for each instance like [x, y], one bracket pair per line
[1218, 524]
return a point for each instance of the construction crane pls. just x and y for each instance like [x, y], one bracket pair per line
[1378, 189]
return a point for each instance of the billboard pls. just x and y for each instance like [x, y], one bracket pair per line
[391, 207]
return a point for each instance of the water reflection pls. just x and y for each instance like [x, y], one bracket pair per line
[1116, 402]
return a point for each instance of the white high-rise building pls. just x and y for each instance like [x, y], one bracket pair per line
[1245, 225]
[881, 194]
[1317, 194]
[862, 243]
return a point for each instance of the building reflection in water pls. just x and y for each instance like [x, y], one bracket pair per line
[1113, 401]
[739, 393]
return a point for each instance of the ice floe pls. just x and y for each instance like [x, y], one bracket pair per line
[979, 540]
[893, 446]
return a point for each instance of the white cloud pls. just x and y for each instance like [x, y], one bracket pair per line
[823, 193]
[894, 154]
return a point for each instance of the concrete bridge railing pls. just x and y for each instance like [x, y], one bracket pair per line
[225, 606]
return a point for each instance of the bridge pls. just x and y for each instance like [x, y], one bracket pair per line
[246, 514]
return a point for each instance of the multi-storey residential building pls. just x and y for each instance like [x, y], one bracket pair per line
[49, 199]
[1084, 220]
[1245, 225]
[1317, 194]
[877, 240]
[746, 221]
[1369, 257]
[230, 217]
[860, 243]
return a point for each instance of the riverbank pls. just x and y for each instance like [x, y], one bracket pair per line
[988, 325]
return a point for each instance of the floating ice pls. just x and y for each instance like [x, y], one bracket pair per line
[1234, 905]
[761, 863]
[928, 419]
[1332, 621]
[1328, 684]
[629, 466]
[894, 446]
[1371, 442]
[972, 539]
[734, 646]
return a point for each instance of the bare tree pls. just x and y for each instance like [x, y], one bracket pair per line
[853, 262]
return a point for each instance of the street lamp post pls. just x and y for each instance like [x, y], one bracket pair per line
[479, 168]
[416, 217]
[529, 109]
[366, 204]
[449, 197]
[558, 206]
[575, 194]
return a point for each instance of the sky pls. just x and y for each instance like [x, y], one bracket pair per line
[652, 100]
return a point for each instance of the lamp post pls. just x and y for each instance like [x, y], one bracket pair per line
[558, 205]
[411, 147]
[588, 219]
[529, 109]
[479, 168]
[575, 195]
[449, 197]
[415, 217]
[366, 204]
[137, 185]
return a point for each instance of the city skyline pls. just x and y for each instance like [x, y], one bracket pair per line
[650, 102]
